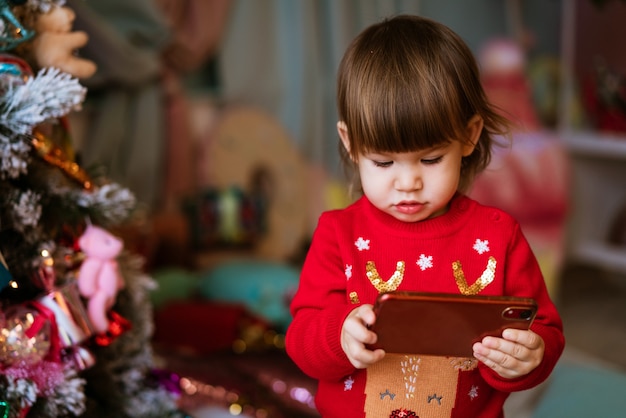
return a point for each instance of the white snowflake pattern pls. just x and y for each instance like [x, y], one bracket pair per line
[473, 393]
[481, 246]
[347, 384]
[425, 262]
[348, 271]
[362, 244]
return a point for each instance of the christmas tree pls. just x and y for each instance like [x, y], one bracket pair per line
[75, 313]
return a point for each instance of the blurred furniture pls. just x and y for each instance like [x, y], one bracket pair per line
[598, 157]
[249, 149]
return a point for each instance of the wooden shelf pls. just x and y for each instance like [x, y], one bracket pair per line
[598, 159]
[610, 257]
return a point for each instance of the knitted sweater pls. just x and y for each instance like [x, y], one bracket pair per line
[360, 251]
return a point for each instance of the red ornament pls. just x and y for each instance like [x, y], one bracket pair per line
[117, 326]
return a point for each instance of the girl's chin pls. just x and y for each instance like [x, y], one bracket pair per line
[409, 217]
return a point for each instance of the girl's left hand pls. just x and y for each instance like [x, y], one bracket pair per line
[516, 354]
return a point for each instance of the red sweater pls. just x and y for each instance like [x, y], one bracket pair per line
[335, 280]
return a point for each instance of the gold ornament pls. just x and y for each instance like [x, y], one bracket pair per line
[54, 155]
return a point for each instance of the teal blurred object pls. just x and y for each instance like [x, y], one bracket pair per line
[580, 391]
[173, 284]
[265, 288]
[5, 276]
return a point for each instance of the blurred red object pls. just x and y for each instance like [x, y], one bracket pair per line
[200, 327]
[530, 181]
[504, 78]
[604, 98]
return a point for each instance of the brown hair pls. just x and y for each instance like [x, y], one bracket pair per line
[409, 83]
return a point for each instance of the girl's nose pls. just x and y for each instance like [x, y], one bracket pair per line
[408, 179]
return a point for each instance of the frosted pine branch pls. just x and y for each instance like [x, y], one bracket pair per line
[14, 156]
[69, 397]
[26, 208]
[112, 201]
[20, 392]
[49, 94]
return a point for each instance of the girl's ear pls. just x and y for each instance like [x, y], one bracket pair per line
[473, 130]
[342, 129]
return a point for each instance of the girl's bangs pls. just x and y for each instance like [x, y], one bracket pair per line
[407, 117]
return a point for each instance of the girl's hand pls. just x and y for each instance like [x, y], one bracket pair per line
[355, 335]
[516, 354]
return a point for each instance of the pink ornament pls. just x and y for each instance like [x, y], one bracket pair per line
[99, 279]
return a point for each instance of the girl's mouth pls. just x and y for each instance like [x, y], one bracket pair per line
[409, 208]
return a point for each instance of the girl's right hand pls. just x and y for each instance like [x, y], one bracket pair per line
[355, 335]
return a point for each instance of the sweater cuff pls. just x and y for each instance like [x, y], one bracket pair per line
[340, 363]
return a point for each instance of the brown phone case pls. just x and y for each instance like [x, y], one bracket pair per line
[445, 324]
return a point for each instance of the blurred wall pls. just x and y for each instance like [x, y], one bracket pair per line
[282, 55]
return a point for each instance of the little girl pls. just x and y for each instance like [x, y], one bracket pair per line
[416, 125]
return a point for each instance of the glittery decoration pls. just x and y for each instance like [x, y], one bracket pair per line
[24, 337]
[482, 282]
[57, 157]
[354, 298]
[381, 285]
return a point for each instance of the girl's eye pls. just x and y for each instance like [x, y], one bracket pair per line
[383, 163]
[429, 161]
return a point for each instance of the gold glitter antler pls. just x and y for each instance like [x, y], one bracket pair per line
[482, 282]
[381, 285]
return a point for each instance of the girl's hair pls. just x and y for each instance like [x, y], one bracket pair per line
[409, 83]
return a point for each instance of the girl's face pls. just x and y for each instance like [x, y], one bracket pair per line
[414, 186]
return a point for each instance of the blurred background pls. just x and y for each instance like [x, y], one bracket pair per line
[220, 115]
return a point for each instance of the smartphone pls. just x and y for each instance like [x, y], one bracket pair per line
[445, 324]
